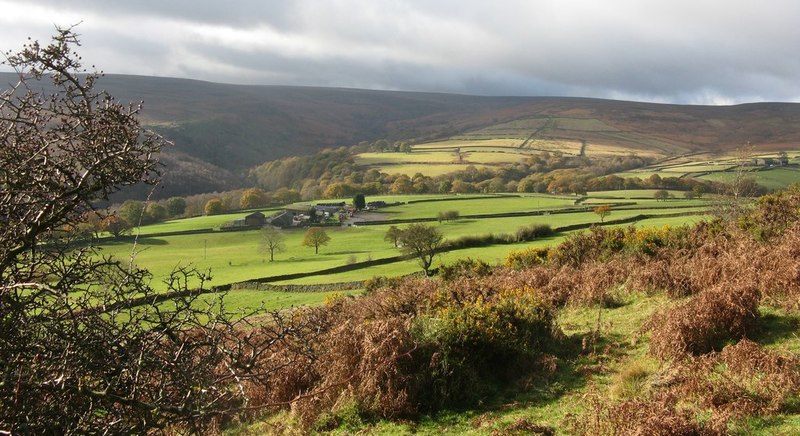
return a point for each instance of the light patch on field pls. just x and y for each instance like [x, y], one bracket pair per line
[595, 149]
[462, 143]
[564, 146]
[483, 157]
[365, 159]
[431, 170]
[582, 124]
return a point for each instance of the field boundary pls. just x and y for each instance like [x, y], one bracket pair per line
[263, 283]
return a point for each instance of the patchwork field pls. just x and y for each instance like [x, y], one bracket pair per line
[234, 256]
[513, 141]
[764, 168]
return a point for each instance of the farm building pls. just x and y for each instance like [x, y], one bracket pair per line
[255, 219]
[283, 219]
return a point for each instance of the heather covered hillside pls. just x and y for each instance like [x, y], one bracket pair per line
[614, 331]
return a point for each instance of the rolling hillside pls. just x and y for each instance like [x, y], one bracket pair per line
[221, 130]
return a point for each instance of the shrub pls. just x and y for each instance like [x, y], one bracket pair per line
[599, 243]
[470, 346]
[522, 259]
[726, 311]
[711, 395]
[533, 231]
[465, 267]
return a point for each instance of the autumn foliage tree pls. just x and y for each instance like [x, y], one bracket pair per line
[215, 206]
[115, 225]
[314, 237]
[603, 211]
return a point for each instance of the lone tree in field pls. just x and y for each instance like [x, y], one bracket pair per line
[83, 350]
[316, 236]
[359, 201]
[603, 211]
[272, 241]
[423, 241]
[393, 235]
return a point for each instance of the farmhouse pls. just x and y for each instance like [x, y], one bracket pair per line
[329, 208]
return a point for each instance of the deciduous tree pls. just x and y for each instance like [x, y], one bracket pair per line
[422, 241]
[272, 241]
[314, 237]
[215, 206]
[86, 347]
[176, 206]
[603, 211]
[393, 235]
[115, 225]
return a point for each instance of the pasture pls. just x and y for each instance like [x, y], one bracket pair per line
[763, 167]
[234, 256]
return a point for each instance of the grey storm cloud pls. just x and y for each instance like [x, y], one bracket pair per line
[701, 51]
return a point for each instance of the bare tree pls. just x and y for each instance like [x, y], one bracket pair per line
[84, 346]
[272, 241]
[734, 195]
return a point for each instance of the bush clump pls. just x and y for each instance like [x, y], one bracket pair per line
[720, 313]
[533, 231]
[471, 346]
[466, 267]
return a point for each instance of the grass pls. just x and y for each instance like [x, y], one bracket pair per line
[431, 170]
[477, 206]
[200, 222]
[378, 159]
[773, 178]
[234, 256]
[469, 143]
[244, 299]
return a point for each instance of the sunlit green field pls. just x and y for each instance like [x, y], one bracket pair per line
[235, 256]
[775, 178]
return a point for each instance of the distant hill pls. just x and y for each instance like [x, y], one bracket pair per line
[220, 130]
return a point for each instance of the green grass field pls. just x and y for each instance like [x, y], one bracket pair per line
[774, 178]
[234, 256]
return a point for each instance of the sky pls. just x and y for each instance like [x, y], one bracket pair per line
[671, 51]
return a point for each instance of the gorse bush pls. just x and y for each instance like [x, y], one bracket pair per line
[467, 267]
[522, 259]
[473, 346]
